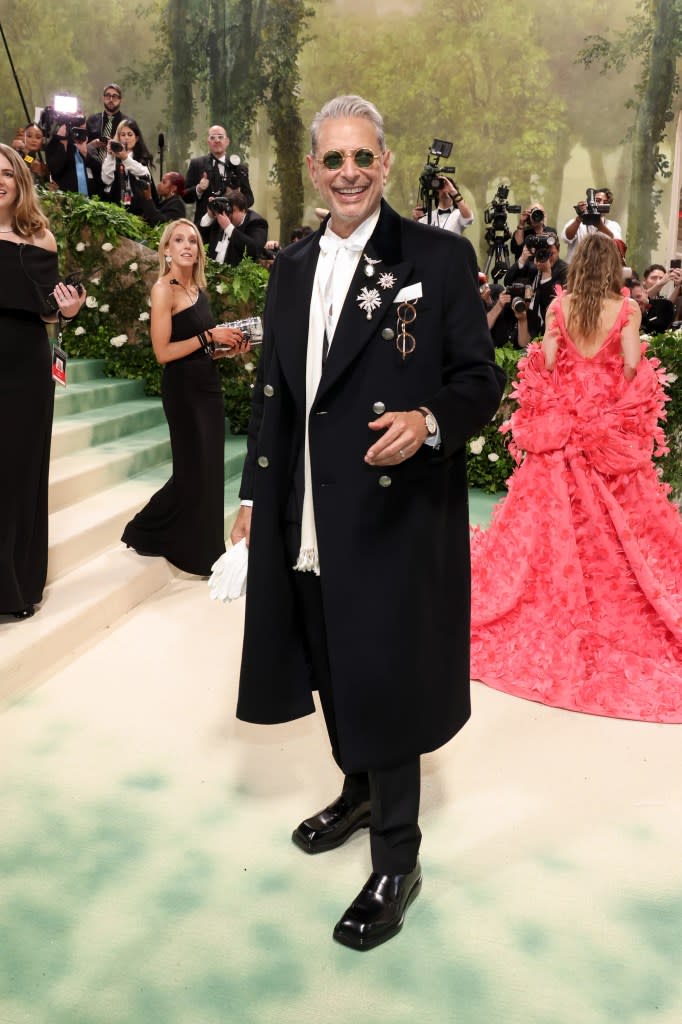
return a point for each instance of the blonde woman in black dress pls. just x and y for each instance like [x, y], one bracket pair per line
[184, 521]
[29, 274]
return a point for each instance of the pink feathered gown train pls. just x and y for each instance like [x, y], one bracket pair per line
[577, 584]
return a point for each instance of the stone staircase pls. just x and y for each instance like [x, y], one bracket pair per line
[110, 452]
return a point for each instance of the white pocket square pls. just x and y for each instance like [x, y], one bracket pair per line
[409, 293]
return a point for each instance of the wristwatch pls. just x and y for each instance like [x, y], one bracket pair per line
[429, 420]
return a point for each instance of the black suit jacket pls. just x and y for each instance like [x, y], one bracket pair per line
[246, 240]
[196, 168]
[165, 210]
[61, 162]
[393, 542]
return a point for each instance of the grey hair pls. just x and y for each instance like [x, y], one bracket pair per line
[348, 106]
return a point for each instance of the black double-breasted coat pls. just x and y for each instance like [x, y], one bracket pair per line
[393, 542]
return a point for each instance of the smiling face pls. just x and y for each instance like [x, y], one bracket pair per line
[8, 186]
[183, 246]
[218, 140]
[351, 193]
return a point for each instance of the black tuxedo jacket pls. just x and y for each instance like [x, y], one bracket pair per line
[393, 542]
[196, 168]
[246, 240]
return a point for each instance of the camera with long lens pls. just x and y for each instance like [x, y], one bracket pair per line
[592, 214]
[78, 134]
[431, 179]
[219, 204]
[495, 216]
[116, 147]
[539, 246]
[521, 295]
[536, 215]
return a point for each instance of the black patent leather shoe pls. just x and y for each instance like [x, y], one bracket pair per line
[378, 912]
[331, 827]
[25, 613]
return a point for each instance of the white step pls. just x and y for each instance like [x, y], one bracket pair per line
[74, 477]
[75, 609]
[97, 426]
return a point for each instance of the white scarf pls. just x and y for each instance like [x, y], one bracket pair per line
[336, 266]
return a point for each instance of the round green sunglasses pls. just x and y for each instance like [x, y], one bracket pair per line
[334, 159]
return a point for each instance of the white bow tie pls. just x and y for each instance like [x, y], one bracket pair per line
[330, 244]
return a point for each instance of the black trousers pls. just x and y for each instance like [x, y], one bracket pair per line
[393, 791]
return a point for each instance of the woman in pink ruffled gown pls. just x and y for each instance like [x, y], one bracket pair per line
[577, 584]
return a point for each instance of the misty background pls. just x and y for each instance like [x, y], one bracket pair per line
[502, 81]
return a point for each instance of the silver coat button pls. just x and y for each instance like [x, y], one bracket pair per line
[268, 391]
[379, 408]
[263, 461]
[388, 334]
[385, 481]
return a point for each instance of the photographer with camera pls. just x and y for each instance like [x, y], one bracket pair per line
[539, 267]
[507, 314]
[215, 174]
[72, 166]
[531, 222]
[170, 205]
[233, 230]
[103, 125]
[451, 212]
[589, 218]
[126, 168]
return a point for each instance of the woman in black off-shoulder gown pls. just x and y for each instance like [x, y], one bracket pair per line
[28, 272]
[184, 521]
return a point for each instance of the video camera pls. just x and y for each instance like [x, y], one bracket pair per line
[62, 110]
[592, 214]
[539, 246]
[495, 216]
[219, 204]
[431, 178]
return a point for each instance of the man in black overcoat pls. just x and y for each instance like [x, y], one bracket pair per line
[377, 365]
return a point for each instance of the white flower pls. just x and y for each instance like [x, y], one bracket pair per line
[119, 340]
[670, 378]
[133, 266]
[104, 308]
[107, 247]
[645, 337]
[149, 301]
[220, 287]
[79, 330]
[94, 281]
[476, 446]
[80, 247]
[493, 457]
[143, 316]
[249, 367]
[91, 302]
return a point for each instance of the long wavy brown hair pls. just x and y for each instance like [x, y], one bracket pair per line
[28, 218]
[595, 273]
[198, 270]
